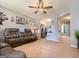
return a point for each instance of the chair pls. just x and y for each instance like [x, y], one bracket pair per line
[8, 52]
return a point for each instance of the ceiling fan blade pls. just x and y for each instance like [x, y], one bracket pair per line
[48, 7]
[40, 1]
[32, 7]
[36, 11]
[44, 12]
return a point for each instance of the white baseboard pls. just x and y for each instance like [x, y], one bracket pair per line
[74, 46]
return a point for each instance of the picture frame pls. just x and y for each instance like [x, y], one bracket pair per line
[12, 19]
[20, 20]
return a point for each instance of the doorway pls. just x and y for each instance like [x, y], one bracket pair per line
[65, 28]
[64, 25]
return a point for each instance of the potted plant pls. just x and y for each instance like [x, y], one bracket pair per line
[77, 36]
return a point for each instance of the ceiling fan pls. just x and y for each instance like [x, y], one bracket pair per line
[41, 6]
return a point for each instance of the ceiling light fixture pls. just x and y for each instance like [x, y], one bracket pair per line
[41, 7]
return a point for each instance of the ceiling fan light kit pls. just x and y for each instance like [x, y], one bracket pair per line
[41, 7]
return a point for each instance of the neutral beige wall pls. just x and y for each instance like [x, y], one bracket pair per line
[74, 21]
[73, 9]
[9, 24]
[10, 14]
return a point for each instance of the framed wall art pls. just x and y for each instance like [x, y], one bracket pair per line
[20, 20]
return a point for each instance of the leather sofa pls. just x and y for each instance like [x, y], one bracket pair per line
[7, 52]
[15, 38]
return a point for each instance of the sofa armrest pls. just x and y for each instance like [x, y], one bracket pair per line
[3, 56]
[2, 45]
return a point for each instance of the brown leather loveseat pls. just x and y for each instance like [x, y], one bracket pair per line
[16, 37]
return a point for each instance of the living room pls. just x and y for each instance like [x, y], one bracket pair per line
[28, 29]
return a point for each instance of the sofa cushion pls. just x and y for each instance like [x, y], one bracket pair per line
[26, 38]
[8, 36]
[14, 40]
[21, 34]
[11, 36]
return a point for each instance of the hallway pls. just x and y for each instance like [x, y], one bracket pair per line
[49, 49]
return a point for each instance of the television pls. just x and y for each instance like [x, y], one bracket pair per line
[21, 29]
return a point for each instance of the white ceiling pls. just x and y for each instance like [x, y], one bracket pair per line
[21, 6]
